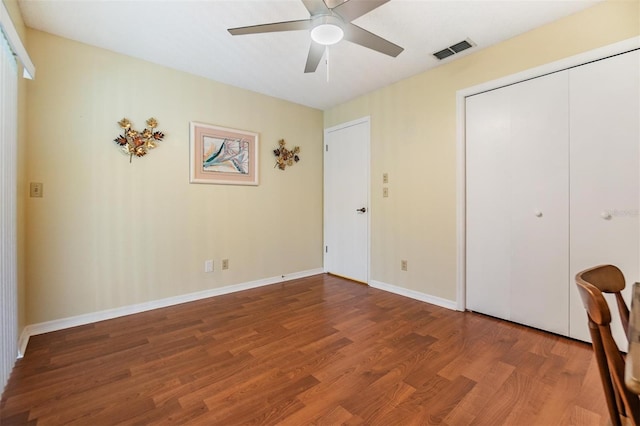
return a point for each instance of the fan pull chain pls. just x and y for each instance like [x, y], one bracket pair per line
[327, 61]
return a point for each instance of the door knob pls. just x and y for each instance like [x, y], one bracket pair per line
[538, 213]
[362, 210]
[605, 215]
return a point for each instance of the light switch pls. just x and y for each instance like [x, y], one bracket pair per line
[35, 189]
[385, 178]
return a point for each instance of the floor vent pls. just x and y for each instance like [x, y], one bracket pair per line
[453, 49]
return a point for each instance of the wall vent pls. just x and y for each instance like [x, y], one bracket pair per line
[453, 49]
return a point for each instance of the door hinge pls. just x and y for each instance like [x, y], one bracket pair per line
[326, 148]
[326, 249]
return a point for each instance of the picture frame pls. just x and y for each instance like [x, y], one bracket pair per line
[221, 155]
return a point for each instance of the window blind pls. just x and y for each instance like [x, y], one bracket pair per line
[8, 208]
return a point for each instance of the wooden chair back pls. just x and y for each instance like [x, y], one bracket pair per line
[609, 279]
[622, 403]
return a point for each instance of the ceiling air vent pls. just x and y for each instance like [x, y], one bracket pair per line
[452, 50]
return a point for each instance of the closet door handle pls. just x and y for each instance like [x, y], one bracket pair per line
[538, 213]
[362, 210]
[606, 215]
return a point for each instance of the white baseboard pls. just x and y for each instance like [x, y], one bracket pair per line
[60, 324]
[423, 297]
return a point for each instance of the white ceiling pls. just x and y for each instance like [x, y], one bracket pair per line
[192, 36]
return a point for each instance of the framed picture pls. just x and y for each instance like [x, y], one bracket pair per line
[223, 156]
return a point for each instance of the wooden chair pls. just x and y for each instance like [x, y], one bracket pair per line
[623, 405]
[609, 279]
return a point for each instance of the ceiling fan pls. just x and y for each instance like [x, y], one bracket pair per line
[328, 26]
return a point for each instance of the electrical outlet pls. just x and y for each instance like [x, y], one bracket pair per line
[385, 178]
[385, 192]
[208, 265]
[225, 263]
[403, 265]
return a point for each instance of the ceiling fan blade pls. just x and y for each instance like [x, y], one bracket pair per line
[303, 24]
[360, 36]
[316, 50]
[316, 7]
[353, 9]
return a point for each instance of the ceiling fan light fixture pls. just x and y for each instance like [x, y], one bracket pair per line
[327, 30]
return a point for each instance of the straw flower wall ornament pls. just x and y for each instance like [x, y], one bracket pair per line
[136, 143]
[284, 157]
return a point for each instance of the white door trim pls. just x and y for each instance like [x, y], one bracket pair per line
[367, 155]
[580, 59]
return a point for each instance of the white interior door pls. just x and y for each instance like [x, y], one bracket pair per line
[540, 207]
[346, 200]
[488, 128]
[517, 207]
[605, 139]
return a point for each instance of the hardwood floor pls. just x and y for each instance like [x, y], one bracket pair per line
[320, 350]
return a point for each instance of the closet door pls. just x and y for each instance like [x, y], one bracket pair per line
[539, 203]
[517, 208]
[605, 138]
[488, 128]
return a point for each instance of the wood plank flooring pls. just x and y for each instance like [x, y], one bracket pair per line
[320, 350]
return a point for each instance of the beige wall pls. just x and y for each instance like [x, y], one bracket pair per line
[413, 138]
[108, 233]
[16, 18]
